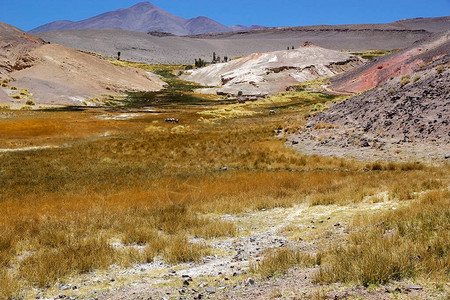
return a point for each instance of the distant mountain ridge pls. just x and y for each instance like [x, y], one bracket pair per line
[143, 17]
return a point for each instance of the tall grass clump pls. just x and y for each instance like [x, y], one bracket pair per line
[180, 250]
[410, 242]
[51, 264]
[278, 261]
[9, 286]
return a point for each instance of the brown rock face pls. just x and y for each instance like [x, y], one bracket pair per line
[14, 46]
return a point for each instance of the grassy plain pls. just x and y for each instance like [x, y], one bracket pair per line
[110, 185]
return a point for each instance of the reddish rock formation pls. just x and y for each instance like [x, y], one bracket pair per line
[397, 64]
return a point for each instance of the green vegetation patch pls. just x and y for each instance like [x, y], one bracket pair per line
[373, 54]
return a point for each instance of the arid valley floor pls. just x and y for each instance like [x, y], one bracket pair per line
[121, 179]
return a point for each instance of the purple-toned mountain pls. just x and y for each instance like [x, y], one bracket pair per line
[142, 17]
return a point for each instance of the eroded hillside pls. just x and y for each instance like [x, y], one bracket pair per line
[35, 73]
[262, 74]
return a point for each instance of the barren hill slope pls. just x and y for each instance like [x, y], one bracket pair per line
[66, 76]
[138, 46]
[407, 117]
[438, 24]
[270, 73]
[399, 63]
[14, 46]
[54, 74]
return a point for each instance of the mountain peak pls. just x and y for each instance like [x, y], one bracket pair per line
[144, 4]
[141, 17]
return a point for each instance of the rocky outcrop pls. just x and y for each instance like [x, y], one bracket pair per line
[406, 118]
[415, 108]
[14, 47]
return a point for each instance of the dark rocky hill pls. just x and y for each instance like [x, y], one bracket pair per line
[405, 117]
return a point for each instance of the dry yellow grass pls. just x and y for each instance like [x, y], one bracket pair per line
[150, 183]
[410, 242]
[278, 261]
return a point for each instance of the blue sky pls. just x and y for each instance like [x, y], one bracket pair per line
[28, 14]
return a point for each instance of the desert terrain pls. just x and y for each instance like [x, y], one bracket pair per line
[170, 49]
[315, 172]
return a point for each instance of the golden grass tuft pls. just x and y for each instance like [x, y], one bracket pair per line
[323, 125]
[9, 286]
[410, 242]
[179, 250]
[405, 80]
[278, 261]
[78, 256]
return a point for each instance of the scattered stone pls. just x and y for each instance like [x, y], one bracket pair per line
[414, 287]
[250, 281]
[210, 290]
[186, 282]
[64, 287]
[337, 224]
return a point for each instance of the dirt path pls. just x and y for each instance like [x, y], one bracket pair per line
[225, 274]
